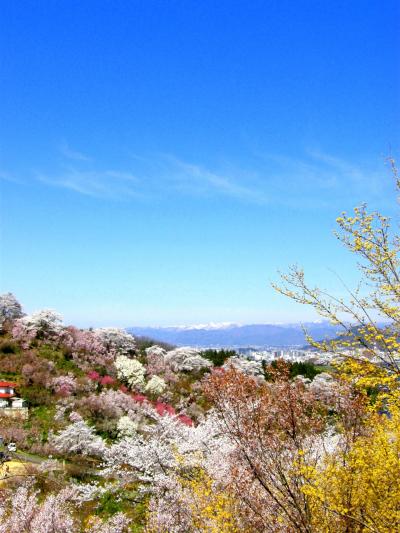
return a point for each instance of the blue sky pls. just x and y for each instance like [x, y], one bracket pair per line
[161, 160]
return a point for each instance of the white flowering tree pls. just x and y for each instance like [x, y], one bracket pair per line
[156, 351]
[79, 438]
[126, 427]
[130, 371]
[156, 386]
[10, 308]
[44, 324]
[21, 511]
[117, 340]
[250, 368]
[154, 456]
[186, 359]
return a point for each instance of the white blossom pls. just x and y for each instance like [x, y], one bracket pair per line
[186, 359]
[126, 427]
[156, 351]
[251, 368]
[45, 322]
[156, 385]
[325, 388]
[86, 492]
[78, 437]
[21, 511]
[152, 457]
[130, 370]
[116, 340]
[10, 308]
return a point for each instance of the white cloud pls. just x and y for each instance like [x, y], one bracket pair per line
[108, 184]
[314, 180]
[74, 155]
[191, 178]
[6, 176]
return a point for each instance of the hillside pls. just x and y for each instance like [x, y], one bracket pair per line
[86, 390]
[103, 433]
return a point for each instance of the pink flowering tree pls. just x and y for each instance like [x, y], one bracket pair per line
[43, 325]
[20, 510]
[87, 349]
[64, 385]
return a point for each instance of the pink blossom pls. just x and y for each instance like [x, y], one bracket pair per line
[185, 420]
[164, 408]
[107, 380]
[140, 398]
[95, 376]
[87, 348]
[64, 385]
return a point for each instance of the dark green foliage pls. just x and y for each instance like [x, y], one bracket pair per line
[130, 502]
[109, 505]
[36, 395]
[8, 347]
[218, 357]
[308, 370]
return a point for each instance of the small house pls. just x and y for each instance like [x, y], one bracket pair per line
[8, 397]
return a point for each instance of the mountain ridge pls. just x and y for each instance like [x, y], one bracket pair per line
[239, 335]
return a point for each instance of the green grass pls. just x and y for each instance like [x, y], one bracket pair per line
[60, 359]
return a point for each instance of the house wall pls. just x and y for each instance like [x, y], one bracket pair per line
[7, 390]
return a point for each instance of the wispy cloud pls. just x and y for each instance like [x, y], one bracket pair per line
[71, 154]
[6, 176]
[195, 179]
[313, 180]
[151, 177]
[321, 179]
[108, 184]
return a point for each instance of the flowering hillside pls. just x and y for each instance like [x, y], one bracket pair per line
[126, 439]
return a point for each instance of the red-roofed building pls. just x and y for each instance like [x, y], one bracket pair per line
[8, 397]
[7, 389]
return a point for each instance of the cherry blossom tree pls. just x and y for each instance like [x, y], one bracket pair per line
[45, 324]
[126, 427]
[157, 364]
[251, 368]
[117, 340]
[21, 511]
[64, 385]
[186, 359]
[269, 424]
[10, 308]
[78, 438]
[87, 348]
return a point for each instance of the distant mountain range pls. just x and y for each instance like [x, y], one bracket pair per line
[236, 335]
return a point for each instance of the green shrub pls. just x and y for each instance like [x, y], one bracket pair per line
[218, 357]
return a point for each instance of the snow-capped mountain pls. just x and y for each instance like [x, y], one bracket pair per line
[209, 326]
[236, 335]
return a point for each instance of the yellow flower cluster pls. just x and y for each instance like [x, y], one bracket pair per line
[359, 489]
